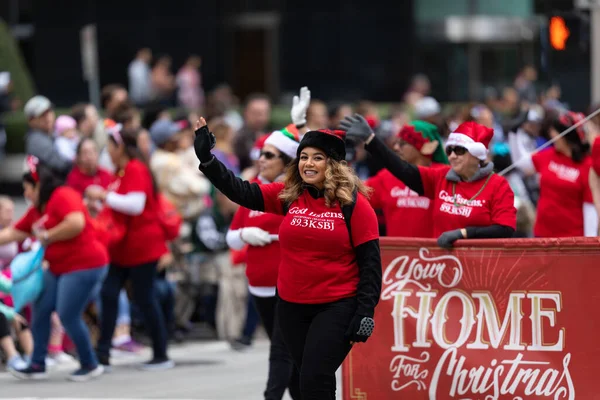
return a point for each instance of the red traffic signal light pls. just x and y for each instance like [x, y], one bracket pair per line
[558, 32]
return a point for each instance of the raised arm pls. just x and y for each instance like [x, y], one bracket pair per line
[239, 191]
[359, 130]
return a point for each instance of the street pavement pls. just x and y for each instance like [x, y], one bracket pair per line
[204, 370]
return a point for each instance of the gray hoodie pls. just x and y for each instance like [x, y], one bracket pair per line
[41, 145]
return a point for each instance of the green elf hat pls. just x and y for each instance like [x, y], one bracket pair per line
[425, 138]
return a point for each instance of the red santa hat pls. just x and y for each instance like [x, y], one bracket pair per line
[472, 136]
[257, 148]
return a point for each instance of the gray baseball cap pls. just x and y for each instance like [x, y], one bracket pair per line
[36, 106]
[163, 130]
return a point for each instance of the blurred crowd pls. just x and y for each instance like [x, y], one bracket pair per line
[201, 280]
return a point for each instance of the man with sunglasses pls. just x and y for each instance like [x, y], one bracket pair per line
[469, 199]
[418, 143]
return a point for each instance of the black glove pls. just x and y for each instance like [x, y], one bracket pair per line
[447, 239]
[356, 127]
[203, 144]
[360, 329]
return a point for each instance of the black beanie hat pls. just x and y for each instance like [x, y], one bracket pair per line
[333, 143]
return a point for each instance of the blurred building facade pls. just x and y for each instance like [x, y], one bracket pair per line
[343, 49]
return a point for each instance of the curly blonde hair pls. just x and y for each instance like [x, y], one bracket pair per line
[340, 183]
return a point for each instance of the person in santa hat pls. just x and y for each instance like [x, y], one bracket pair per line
[329, 278]
[259, 231]
[469, 199]
[419, 143]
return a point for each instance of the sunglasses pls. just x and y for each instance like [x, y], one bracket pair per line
[268, 155]
[458, 150]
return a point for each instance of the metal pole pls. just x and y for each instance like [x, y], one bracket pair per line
[595, 45]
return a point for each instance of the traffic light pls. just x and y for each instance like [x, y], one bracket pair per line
[558, 32]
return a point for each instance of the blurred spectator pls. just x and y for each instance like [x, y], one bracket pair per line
[227, 301]
[154, 112]
[5, 106]
[139, 77]
[145, 144]
[224, 148]
[522, 143]
[182, 186]
[223, 103]
[163, 81]
[551, 98]
[39, 141]
[113, 97]
[419, 87]
[337, 112]
[88, 122]
[129, 117]
[67, 137]
[525, 84]
[257, 114]
[189, 82]
[86, 171]
[428, 109]
[317, 116]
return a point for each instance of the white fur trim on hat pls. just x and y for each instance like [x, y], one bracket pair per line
[283, 143]
[475, 148]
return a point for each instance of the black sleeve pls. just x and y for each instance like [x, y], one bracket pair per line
[239, 191]
[368, 257]
[490, 232]
[407, 173]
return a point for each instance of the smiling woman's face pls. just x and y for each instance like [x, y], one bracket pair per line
[312, 166]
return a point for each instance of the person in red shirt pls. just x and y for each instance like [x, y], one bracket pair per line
[77, 265]
[329, 278]
[135, 207]
[564, 179]
[86, 171]
[469, 199]
[258, 231]
[406, 213]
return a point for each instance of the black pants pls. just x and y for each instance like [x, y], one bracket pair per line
[144, 296]
[315, 336]
[4, 326]
[282, 371]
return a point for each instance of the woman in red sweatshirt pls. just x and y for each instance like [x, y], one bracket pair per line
[469, 199]
[135, 206]
[329, 279]
[259, 231]
[77, 265]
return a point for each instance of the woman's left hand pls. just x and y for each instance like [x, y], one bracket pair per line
[360, 329]
[447, 239]
[357, 128]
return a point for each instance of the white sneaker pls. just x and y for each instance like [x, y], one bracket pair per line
[16, 363]
[61, 358]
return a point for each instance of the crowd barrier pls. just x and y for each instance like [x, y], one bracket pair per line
[491, 319]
